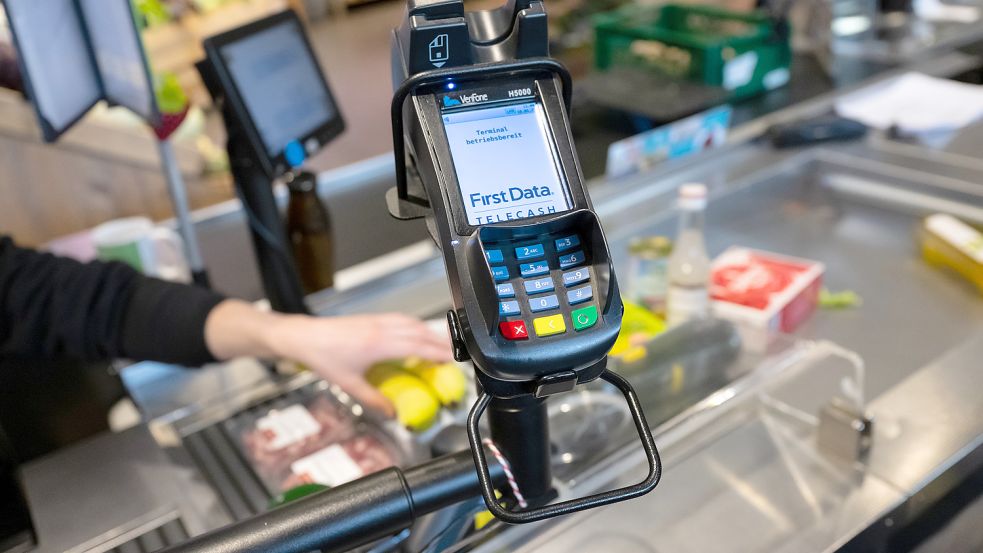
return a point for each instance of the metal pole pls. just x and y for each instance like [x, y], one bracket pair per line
[179, 200]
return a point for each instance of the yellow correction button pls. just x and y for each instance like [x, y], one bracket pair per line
[548, 326]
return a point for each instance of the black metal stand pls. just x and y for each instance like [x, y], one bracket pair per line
[537, 513]
[281, 281]
[350, 515]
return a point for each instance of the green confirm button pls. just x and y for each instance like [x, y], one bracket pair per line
[584, 318]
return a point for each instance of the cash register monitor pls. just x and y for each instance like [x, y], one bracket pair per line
[276, 89]
[505, 160]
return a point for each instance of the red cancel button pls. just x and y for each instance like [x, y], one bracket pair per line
[514, 330]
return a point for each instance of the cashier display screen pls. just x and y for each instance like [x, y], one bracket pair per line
[280, 83]
[505, 162]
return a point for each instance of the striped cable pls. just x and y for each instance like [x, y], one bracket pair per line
[508, 472]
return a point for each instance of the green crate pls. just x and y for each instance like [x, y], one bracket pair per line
[743, 52]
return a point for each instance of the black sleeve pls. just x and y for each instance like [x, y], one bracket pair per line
[52, 307]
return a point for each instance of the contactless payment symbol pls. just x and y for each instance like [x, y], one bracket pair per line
[440, 50]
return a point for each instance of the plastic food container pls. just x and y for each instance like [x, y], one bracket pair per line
[764, 293]
[745, 53]
[310, 440]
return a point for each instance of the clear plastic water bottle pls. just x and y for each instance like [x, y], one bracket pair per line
[689, 265]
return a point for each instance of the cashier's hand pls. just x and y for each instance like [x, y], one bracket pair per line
[339, 349]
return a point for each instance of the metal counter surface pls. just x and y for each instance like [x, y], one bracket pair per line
[823, 204]
[929, 425]
[756, 486]
[112, 489]
[854, 207]
[815, 203]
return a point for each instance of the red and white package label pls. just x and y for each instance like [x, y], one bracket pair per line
[282, 428]
[751, 279]
[331, 466]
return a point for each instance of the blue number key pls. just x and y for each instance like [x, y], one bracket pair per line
[580, 295]
[568, 243]
[576, 277]
[535, 268]
[539, 285]
[544, 303]
[500, 273]
[508, 307]
[494, 256]
[571, 260]
[523, 253]
[506, 290]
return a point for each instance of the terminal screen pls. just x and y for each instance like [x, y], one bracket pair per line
[505, 162]
[280, 83]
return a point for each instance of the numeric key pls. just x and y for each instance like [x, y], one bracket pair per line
[539, 286]
[571, 259]
[523, 253]
[544, 303]
[576, 277]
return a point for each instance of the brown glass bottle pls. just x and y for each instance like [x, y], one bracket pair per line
[309, 229]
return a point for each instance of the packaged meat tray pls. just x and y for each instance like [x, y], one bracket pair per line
[310, 439]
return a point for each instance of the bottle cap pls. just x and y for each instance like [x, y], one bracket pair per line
[302, 181]
[692, 196]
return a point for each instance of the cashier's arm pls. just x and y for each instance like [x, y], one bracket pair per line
[52, 308]
[339, 349]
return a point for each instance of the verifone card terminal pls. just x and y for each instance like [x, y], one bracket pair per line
[543, 298]
[536, 302]
[484, 152]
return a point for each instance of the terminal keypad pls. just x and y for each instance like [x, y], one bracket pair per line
[544, 287]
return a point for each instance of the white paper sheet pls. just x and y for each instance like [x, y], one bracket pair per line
[915, 104]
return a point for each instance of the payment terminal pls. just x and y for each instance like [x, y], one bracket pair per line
[485, 153]
[521, 233]
[278, 110]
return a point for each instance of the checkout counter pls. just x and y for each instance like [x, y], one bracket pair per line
[754, 460]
